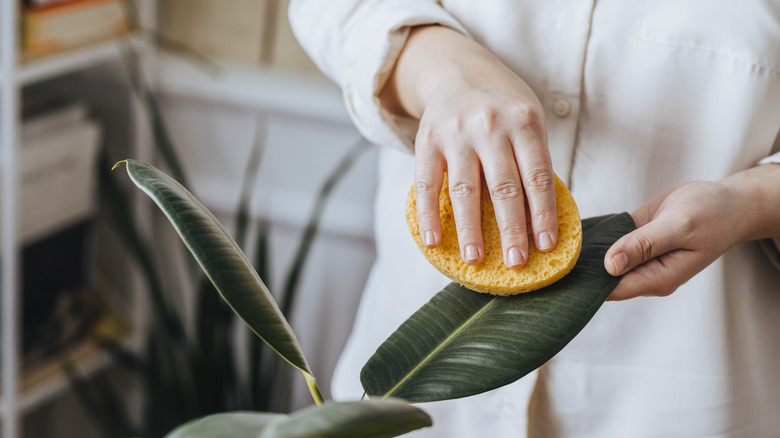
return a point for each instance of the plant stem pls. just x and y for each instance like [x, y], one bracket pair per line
[311, 382]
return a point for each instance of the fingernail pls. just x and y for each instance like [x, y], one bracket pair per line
[430, 239]
[515, 257]
[472, 253]
[620, 262]
[545, 241]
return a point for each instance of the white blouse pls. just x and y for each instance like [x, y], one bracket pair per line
[640, 96]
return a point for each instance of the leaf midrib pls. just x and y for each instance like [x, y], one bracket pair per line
[441, 345]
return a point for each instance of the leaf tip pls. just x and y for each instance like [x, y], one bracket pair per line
[119, 164]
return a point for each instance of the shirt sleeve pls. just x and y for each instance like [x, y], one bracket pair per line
[356, 43]
[772, 159]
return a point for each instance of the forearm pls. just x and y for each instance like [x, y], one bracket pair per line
[760, 188]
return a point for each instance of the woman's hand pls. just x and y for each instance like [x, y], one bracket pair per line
[476, 117]
[685, 228]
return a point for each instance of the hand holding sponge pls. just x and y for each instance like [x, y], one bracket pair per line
[492, 275]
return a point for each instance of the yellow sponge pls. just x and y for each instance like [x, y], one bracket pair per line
[492, 275]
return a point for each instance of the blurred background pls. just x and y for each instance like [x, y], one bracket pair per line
[106, 326]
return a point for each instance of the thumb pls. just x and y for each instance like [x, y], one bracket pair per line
[637, 247]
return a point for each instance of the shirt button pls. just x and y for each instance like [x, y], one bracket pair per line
[561, 108]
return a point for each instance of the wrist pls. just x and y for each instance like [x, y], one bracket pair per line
[420, 63]
[437, 62]
[758, 190]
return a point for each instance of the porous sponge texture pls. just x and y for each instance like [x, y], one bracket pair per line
[492, 275]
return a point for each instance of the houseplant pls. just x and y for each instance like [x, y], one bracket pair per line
[455, 327]
[190, 363]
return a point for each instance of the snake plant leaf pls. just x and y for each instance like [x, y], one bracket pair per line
[222, 261]
[229, 424]
[463, 343]
[363, 419]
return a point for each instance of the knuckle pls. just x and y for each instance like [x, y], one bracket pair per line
[687, 224]
[544, 215]
[540, 180]
[427, 216]
[426, 136]
[453, 124]
[423, 187]
[644, 246]
[462, 189]
[506, 191]
[486, 118]
[513, 231]
[527, 117]
[468, 231]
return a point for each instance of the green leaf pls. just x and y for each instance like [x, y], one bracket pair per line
[222, 260]
[231, 424]
[463, 343]
[365, 419]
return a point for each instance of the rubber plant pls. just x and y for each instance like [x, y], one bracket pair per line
[185, 374]
[459, 344]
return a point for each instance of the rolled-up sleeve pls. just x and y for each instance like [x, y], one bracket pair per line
[356, 43]
[772, 159]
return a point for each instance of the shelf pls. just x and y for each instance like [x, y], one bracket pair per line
[68, 61]
[24, 389]
[303, 94]
[47, 380]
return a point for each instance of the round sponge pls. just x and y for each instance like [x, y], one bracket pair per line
[492, 275]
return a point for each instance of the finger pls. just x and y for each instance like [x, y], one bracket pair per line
[506, 192]
[464, 185]
[429, 173]
[538, 179]
[647, 242]
[658, 277]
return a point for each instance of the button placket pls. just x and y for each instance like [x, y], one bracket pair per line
[568, 58]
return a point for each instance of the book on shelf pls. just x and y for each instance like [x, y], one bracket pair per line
[40, 3]
[58, 26]
[49, 114]
[56, 167]
[57, 184]
[251, 32]
[57, 189]
[231, 31]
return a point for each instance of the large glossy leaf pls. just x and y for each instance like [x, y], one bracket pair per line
[365, 419]
[222, 260]
[463, 343]
[230, 424]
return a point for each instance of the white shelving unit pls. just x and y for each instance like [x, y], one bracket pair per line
[299, 102]
[18, 399]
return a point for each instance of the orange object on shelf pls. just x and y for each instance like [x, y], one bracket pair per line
[64, 26]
